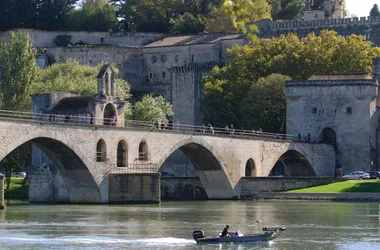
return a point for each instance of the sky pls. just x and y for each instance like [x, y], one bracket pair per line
[360, 7]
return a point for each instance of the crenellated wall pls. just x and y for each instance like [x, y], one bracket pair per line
[366, 26]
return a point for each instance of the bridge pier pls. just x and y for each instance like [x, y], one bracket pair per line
[2, 202]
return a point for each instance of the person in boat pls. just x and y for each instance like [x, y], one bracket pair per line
[225, 231]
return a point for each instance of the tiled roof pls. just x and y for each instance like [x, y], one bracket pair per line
[194, 39]
[342, 76]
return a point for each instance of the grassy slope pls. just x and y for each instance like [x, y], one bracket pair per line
[344, 186]
[16, 191]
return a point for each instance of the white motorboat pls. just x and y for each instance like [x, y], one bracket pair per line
[267, 234]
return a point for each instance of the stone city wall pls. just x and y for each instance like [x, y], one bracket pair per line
[182, 188]
[134, 188]
[252, 185]
[366, 26]
[42, 38]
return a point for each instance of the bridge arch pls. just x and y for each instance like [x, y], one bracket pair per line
[109, 111]
[250, 168]
[292, 163]
[209, 167]
[80, 182]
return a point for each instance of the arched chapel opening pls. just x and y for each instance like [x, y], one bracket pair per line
[109, 113]
[101, 151]
[329, 136]
[143, 151]
[250, 169]
[122, 154]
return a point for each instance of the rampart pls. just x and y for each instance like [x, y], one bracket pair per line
[42, 38]
[366, 26]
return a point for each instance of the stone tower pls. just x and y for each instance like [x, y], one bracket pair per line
[186, 92]
[334, 9]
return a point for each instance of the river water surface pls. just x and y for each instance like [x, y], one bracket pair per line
[169, 225]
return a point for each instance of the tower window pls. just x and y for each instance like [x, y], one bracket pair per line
[348, 110]
[150, 75]
[314, 110]
[163, 74]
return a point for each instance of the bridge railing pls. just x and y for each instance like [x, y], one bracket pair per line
[135, 168]
[173, 127]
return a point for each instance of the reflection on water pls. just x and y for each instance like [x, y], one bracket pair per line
[169, 225]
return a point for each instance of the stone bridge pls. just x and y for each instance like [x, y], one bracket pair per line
[85, 155]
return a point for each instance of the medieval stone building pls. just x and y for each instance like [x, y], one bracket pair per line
[339, 109]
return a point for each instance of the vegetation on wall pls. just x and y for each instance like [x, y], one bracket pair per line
[229, 91]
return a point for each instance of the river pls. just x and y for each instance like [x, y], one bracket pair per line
[310, 225]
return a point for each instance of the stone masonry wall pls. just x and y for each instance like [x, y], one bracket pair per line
[134, 188]
[42, 38]
[252, 185]
[366, 26]
[182, 188]
[313, 106]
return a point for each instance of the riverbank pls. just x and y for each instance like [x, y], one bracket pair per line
[16, 190]
[347, 196]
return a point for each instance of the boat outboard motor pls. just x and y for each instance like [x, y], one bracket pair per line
[198, 234]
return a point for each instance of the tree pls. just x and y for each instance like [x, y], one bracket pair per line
[15, 160]
[374, 11]
[265, 104]
[152, 109]
[71, 76]
[225, 88]
[243, 12]
[94, 15]
[187, 24]
[18, 72]
[218, 21]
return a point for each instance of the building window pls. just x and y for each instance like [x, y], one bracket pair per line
[163, 58]
[177, 58]
[348, 110]
[192, 58]
[163, 74]
[151, 76]
[314, 111]
[154, 59]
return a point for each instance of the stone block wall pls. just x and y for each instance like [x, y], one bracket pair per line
[43, 38]
[182, 188]
[366, 26]
[252, 185]
[346, 106]
[134, 188]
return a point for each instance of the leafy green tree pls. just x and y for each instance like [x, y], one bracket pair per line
[94, 15]
[265, 104]
[217, 21]
[152, 109]
[17, 160]
[18, 72]
[374, 11]
[225, 88]
[53, 14]
[244, 12]
[187, 24]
